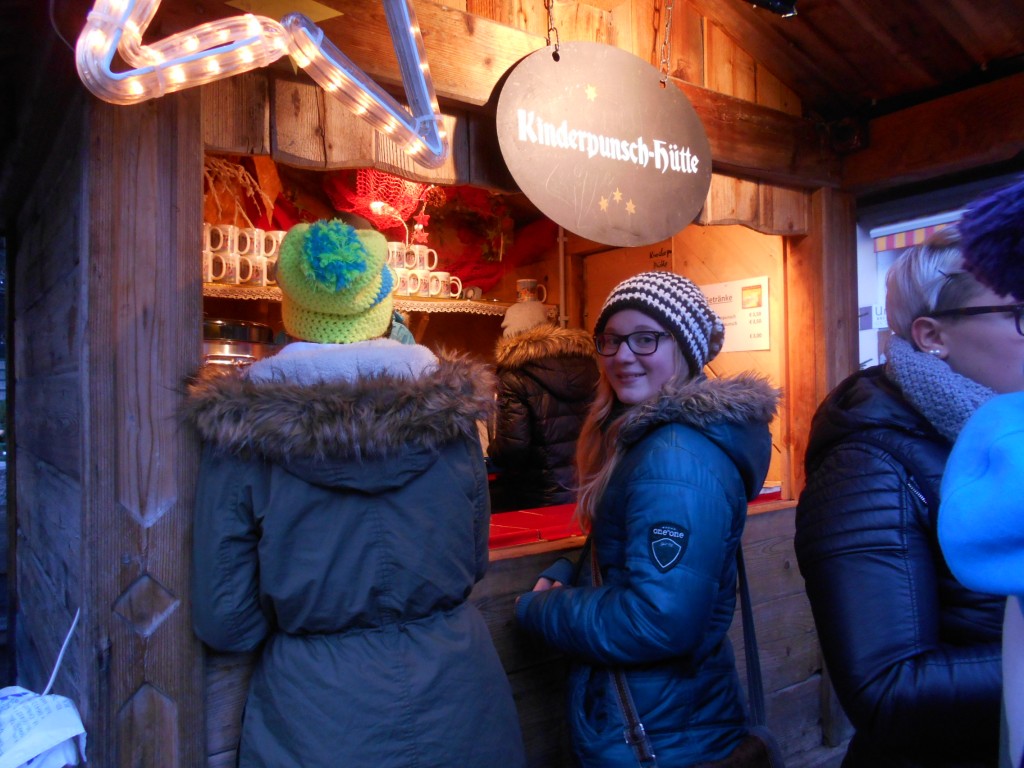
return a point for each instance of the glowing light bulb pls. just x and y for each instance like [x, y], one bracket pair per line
[213, 66]
[176, 75]
[97, 40]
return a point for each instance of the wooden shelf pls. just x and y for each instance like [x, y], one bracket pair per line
[403, 304]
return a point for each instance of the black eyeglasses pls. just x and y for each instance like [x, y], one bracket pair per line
[1015, 309]
[639, 342]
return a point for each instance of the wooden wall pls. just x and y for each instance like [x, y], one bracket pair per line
[45, 455]
[107, 308]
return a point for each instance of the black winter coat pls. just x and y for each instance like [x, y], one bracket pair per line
[913, 654]
[546, 381]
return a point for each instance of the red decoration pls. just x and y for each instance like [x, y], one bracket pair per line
[387, 201]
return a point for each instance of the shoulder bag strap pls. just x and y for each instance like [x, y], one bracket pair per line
[755, 686]
[634, 732]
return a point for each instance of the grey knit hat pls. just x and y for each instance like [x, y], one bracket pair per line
[678, 305]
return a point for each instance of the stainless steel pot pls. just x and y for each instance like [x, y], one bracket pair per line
[236, 342]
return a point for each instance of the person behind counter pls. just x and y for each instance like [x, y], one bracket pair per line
[341, 520]
[913, 654]
[981, 519]
[668, 459]
[546, 379]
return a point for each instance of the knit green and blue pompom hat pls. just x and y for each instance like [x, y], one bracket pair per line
[336, 287]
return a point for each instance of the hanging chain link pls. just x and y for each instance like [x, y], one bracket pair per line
[548, 4]
[666, 43]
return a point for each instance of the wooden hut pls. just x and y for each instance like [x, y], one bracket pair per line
[101, 207]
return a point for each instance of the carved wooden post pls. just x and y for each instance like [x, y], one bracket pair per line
[143, 686]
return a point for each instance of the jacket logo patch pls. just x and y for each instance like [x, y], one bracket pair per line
[668, 544]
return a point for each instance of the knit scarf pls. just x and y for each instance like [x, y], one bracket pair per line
[944, 397]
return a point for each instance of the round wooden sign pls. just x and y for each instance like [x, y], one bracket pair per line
[600, 147]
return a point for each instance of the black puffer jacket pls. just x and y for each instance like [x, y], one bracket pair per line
[546, 380]
[913, 654]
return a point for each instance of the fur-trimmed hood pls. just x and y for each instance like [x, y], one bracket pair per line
[543, 341]
[731, 412]
[328, 403]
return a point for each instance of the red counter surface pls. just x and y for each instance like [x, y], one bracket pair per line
[528, 526]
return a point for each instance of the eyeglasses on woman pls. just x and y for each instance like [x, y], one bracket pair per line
[1015, 309]
[639, 342]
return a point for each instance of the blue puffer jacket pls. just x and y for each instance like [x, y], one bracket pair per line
[914, 655]
[665, 534]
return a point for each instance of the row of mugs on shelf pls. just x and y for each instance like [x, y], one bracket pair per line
[233, 269]
[427, 284]
[245, 241]
[415, 256]
[240, 255]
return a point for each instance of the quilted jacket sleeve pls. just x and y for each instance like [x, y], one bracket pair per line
[869, 560]
[510, 443]
[226, 612]
[652, 608]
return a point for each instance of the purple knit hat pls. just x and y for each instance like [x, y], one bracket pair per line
[992, 239]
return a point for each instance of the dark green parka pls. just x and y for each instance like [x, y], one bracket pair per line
[341, 522]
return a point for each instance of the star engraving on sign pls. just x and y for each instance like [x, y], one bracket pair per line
[630, 208]
[603, 203]
[617, 195]
[591, 93]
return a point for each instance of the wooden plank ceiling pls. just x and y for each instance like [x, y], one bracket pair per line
[843, 58]
[847, 60]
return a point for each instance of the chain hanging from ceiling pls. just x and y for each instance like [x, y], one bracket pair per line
[552, 30]
[666, 43]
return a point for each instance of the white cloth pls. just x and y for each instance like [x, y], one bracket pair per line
[308, 363]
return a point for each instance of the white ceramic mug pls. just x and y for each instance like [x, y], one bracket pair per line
[529, 289]
[220, 238]
[454, 286]
[443, 285]
[263, 271]
[210, 271]
[426, 258]
[272, 241]
[396, 255]
[249, 241]
[422, 282]
[406, 283]
[235, 270]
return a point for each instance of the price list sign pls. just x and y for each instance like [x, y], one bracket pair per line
[743, 307]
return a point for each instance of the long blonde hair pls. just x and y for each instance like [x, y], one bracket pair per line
[596, 457]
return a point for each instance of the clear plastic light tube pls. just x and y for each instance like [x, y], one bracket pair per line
[226, 47]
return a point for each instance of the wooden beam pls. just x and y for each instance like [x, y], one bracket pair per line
[469, 56]
[765, 144]
[821, 291]
[970, 129]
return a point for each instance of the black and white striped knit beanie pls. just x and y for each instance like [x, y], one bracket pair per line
[678, 305]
